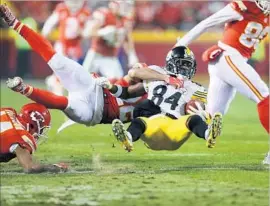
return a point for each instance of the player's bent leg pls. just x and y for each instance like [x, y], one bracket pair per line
[136, 128]
[197, 126]
[122, 135]
[71, 74]
[65, 69]
[46, 98]
[248, 82]
[220, 93]
[38, 43]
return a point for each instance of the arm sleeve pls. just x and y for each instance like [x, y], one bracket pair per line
[227, 14]
[51, 22]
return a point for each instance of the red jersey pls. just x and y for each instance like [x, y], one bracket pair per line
[70, 26]
[246, 34]
[12, 133]
[116, 108]
[99, 45]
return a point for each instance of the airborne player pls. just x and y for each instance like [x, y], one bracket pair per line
[87, 103]
[162, 121]
[110, 29]
[70, 16]
[20, 134]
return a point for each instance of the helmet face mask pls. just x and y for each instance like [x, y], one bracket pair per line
[181, 61]
[264, 5]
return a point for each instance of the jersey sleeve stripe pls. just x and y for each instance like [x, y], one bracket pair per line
[203, 99]
[242, 77]
[201, 93]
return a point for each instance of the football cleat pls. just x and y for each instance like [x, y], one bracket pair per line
[7, 14]
[215, 128]
[16, 84]
[122, 135]
[266, 160]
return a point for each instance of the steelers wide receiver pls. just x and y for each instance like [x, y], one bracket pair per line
[166, 119]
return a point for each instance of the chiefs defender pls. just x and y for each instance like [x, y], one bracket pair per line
[109, 29]
[246, 24]
[20, 134]
[70, 16]
[86, 101]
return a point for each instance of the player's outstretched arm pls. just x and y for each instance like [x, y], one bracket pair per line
[132, 91]
[227, 14]
[38, 43]
[140, 72]
[25, 159]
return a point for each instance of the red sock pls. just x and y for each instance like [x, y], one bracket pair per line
[46, 98]
[38, 43]
[263, 110]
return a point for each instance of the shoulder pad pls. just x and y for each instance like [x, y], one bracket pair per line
[238, 6]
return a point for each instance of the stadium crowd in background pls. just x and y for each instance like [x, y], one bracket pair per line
[149, 14]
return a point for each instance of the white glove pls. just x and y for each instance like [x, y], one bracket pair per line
[103, 82]
[109, 34]
[199, 111]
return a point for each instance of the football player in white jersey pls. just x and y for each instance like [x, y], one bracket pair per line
[161, 121]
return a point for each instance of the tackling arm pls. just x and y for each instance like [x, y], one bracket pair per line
[136, 90]
[141, 72]
[25, 159]
[227, 14]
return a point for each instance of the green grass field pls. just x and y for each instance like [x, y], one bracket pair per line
[102, 173]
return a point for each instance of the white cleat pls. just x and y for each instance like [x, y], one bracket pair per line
[16, 84]
[266, 160]
[122, 135]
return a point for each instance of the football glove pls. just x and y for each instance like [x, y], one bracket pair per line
[103, 82]
[174, 81]
[199, 111]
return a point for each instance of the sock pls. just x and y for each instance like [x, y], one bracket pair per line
[46, 98]
[263, 110]
[197, 126]
[38, 43]
[136, 129]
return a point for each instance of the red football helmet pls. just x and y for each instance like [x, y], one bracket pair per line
[36, 118]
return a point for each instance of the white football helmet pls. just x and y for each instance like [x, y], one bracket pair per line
[264, 5]
[122, 8]
[74, 5]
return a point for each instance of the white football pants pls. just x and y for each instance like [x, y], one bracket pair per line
[231, 73]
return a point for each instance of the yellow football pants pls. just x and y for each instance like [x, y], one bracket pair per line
[164, 133]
